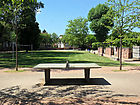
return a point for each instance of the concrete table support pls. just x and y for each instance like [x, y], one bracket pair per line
[87, 73]
[48, 66]
[47, 75]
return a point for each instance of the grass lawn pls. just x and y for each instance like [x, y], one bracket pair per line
[33, 58]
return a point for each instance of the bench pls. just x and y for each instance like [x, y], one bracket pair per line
[48, 66]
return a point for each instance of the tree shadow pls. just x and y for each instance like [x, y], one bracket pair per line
[31, 59]
[77, 81]
[56, 95]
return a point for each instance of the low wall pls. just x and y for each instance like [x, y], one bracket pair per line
[100, 51]
[126, 52]
[109, 51]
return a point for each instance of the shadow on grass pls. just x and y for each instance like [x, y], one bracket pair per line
[78, 81]
[60, 95]
[31, 59]
[49, 54]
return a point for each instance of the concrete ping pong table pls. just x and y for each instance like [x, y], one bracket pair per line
[48, 66]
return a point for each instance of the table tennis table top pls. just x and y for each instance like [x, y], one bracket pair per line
[64, 66]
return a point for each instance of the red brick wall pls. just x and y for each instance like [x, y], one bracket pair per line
[109, 51]
[100, 50]
[126, 53]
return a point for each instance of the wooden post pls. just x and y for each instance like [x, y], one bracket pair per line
[47, 76]
[87, 73]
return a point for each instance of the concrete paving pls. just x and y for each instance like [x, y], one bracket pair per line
[121, 82]
[23, 80]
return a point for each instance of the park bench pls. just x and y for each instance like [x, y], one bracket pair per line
[51, 66]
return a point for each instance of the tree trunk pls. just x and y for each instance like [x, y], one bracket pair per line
[118, 54]
[16, 52]
[121, 53]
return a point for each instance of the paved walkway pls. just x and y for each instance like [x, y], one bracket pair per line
[107, 87]
[125, 83]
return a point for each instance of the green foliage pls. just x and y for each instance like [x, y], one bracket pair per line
[30, 35]
[128, 39]
[13, 37]
[76, 32]
[49, 40]
[45, 39]
[89, 40]
[125, 15]
[138, 41]
[54, 38]
[70, 39]
[5, 33]
[100, 23]
[19, 16]
[95, 45]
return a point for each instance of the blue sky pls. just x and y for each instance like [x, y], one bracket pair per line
[55, 15]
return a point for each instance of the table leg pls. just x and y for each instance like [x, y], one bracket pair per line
[87, 73]
[47, 76]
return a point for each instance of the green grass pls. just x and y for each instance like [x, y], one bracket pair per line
[13, 71]
[119, 70]
[33, 58]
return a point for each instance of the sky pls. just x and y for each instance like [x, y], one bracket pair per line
[55, 15]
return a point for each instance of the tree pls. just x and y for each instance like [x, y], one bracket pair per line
[30, 33]
[49, 40]
[89, 40]
[76, 32]
[126, 17]
[4, 33]
[44, 31]
[100, 23]
[10, 13]
[69, 39]
[45, 39]
[29, 36]
[54, 38]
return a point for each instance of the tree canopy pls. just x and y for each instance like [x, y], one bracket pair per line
[49, 40]
[100, 23]
[76, 32]
[126, 15]
[19, 16]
